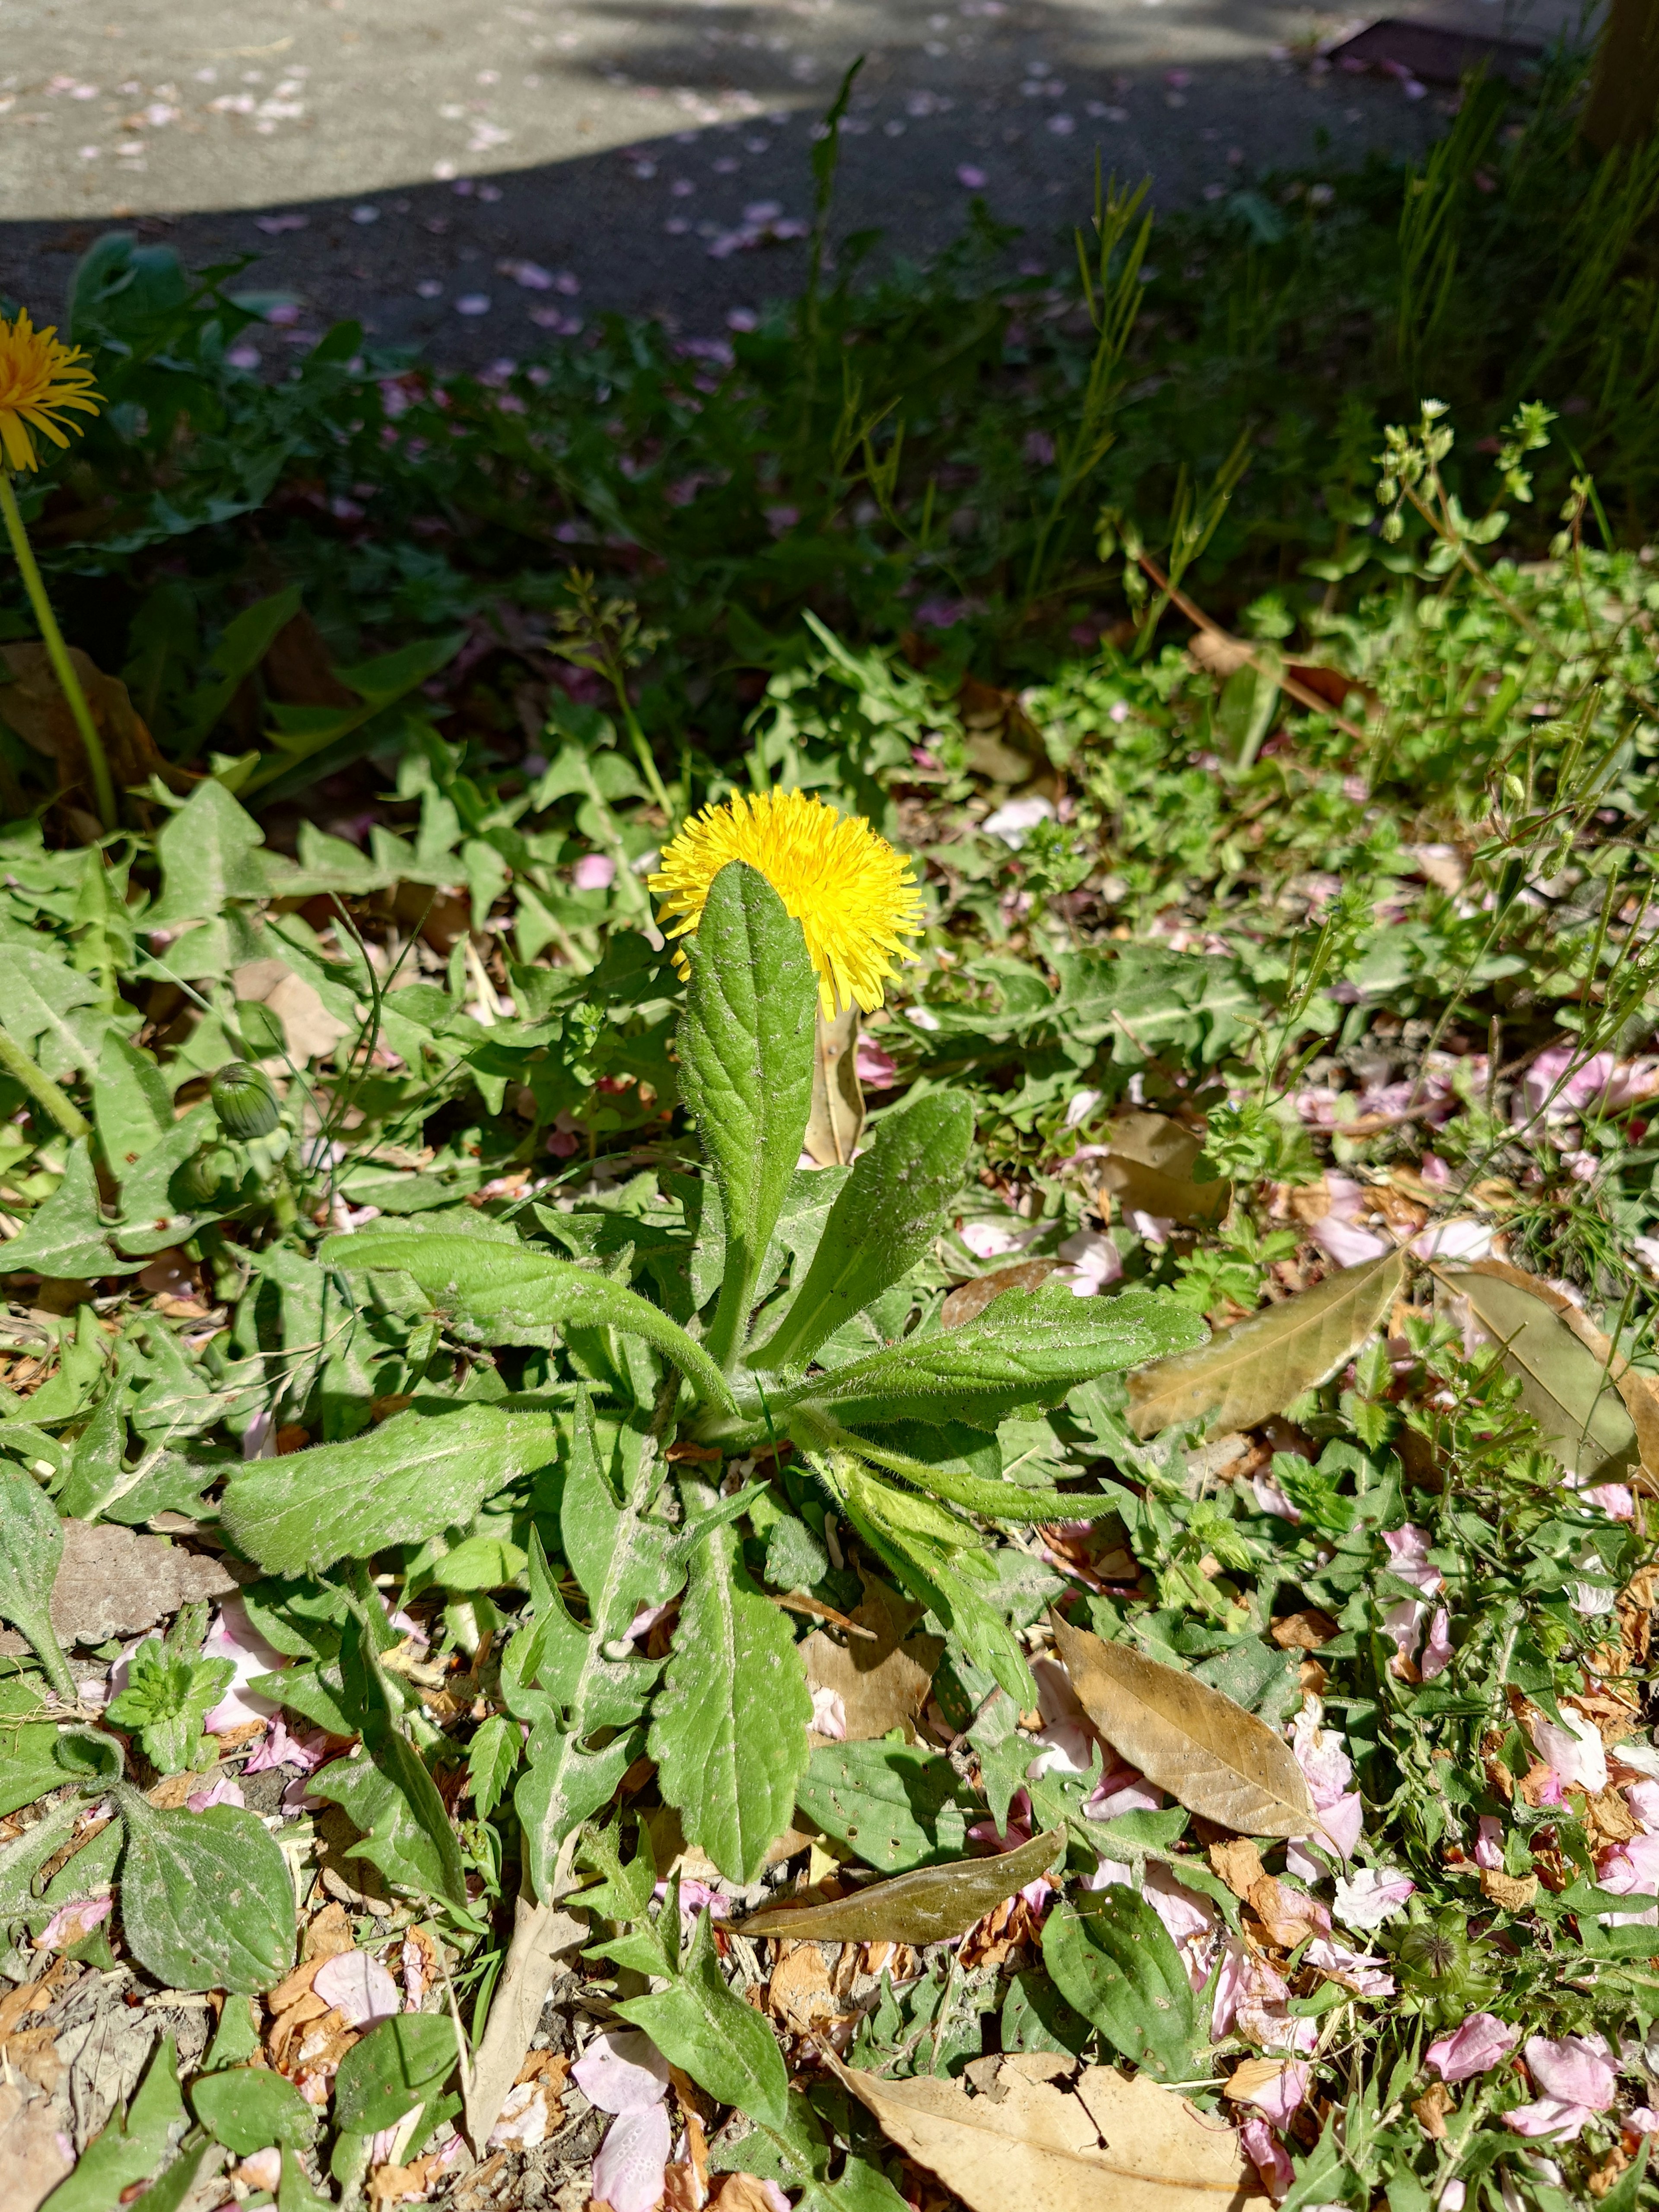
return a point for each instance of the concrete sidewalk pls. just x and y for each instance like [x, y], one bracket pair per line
[475, 177]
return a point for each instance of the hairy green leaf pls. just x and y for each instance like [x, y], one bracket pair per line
[416, 1475]
[723, 2044]
[131, 2145]
[745, 1056]
[1118, 1966]
[398, 2065]
[888, 1213]
[207, 1900]
[895, 1805]
[245, 2108]
[729, 1729]
[31, 1546]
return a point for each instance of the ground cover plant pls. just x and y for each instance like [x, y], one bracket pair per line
[829, 1365]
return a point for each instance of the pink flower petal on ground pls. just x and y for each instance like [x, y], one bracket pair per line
[1574, 2070]
[595, 872]
[224, 1791]
[1402, 1623]
[1437, 1653]
[1320, 1755]
[1408, 1559]
[1367, 1977]
[1271, 1499]
[970, 178]
[263, 2171]
[1267, 2155]
[1552, 2118]
[990, 1239]
[1481, 2042]
[1574, 1749]
[1277, 2099]
[1126, 1791]
[628, 2172]
[1092, 1260]
[1454, 1240]
[72, 1924]
[1374, 1894]
[829, 1714]
[279, 1748]
[1489, 1843]
[875, 1068]
[622, 2072]
[1348, 1246]
[1616, 1499]
[1343, 1823]
[1642, 2121]
[358, 1987]
[233, 1637]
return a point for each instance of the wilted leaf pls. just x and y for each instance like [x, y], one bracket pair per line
[1246, 1373]
[1568, 1391]
[1049, 2139]
[837, 1120]
[883, 1684]
[930, 1905]
[1211, 1756]
[1150, 1167]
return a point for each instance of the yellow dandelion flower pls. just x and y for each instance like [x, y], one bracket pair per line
[850, 892]
[40, 379]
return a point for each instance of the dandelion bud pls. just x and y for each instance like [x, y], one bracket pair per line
[245, 1101]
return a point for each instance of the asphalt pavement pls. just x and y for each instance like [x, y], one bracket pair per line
[480, 178]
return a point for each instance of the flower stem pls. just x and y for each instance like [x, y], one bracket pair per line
[17, 1063]
[57, 652]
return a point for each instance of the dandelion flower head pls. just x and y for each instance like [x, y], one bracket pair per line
[40, 379]
[850, 892]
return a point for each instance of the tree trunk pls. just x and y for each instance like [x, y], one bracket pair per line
[1624, 103]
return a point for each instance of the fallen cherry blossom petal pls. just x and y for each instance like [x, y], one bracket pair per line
[627, 2171]
[358, 1987]
[622, 2072]
[1477, 2044]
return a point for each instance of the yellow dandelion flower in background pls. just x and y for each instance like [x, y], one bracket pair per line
[850, 892]
[40, 379]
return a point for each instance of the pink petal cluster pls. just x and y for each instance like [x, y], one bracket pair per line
[1631, 1868]
[72, 1924]
[1372, 1895]
[1190, 1919]
[1409, 1560]
[627, 2076]
[1328, 1769]
[875, 1068]
[1250, 1999]
[1576, 2083]
[358, 1987]
[1268, 2156]
[233, 1637]
[1361, 1972]
[1481, 2042]
[1572, 1748]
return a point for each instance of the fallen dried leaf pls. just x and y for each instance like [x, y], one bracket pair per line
[1259, 1366]
[1097, 2140]
[930, 1905]
[1515, 1892]
[1431, 2108]
[1569, 1389]
[969, 1300]
[883, 1684]
[113, 1581]
[1150, 1167]
[1209, 1753]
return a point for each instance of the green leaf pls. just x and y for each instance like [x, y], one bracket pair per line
[96, 1473]
[895, 1806]
[131, 1105]
[416, 1475]
[398, 2065]
[132, 2145]
[41, 999]
[1028, 1347]
[243, 644]
[210, 854]
[368, 1692]
[165, 1700]
[21, 1860]
[723, 2044]
[246, 2107]
[207, 1900]
[65, 1238]
[888, 1213]
[728, 1731]
[1118, 1966]
[798, 2155]
[584, 1691]
[491, 1757]
[932, 1905]
[504, 1284]
[745, 1056]
[391, 1837]
[31, 1546]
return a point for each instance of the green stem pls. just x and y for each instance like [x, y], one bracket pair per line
[57, 652]
[40, 1085]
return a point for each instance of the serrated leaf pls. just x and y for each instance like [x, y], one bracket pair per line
[1097, 2140]
[491, 1757]
[390, 1837]
[43, 1003]
[207, 1900]
[728, 1731]
[514, 1286]
[1117, 1964]
[1210, 1754]
[416, 1475]
[1568, 1391]
[210, 854]
[745, 1062]
[31, 1547]
[711, 2034]
[1246, 1373]
[883, 1221]
[931, 1905]
[65, 1238]
[367, 1693]
[166, 1699]
[573, 1684]
[1030, 1347]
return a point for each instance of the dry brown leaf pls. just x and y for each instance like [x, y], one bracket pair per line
[969, 1300]
[930, 1904]
[837, 1120]
[542, 1934]
[1306, 1630]
[1150, 1167]
[1257, 1368]
[1100, 2140]
[1211, 1756]
[742, 2192]
[1431, 2108]
[799, 1993]
[33, 2158]
[113, 1581]
[33, 704]
[1514, 1893]
[883, 1684]
[311, 1031]
[1566, 1386]
[1239, 1864]
[1253, 2081]
[1286, 1915]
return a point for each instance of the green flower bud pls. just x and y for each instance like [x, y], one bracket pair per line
[244, 1101]
[205, 1174]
